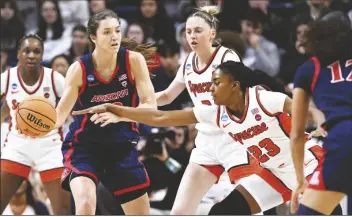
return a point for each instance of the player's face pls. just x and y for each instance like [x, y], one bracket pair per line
[108, 36]
[30, 53]
[199, 34]
[222, 87]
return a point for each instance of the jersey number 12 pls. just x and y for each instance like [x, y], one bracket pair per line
[336, 72]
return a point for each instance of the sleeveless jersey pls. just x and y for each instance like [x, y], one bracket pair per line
[263, 133]
[119, 89]
[17, 91]
[198, 82]
[330, 86]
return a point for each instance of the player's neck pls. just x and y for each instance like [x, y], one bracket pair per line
[103, 59]
[30, 76]
[237, 105]
[204, 56]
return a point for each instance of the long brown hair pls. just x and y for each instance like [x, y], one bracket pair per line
[147, 50]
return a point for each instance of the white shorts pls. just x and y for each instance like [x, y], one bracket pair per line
[20, 154]
[218, 153]
[272, 187]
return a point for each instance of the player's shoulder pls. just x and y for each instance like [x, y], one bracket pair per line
[228, 54]
[309, 66]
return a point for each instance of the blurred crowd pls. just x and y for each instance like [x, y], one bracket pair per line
[268, 34]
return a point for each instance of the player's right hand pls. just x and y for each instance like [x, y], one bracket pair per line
[295, 196]
[95, 109]
[105, 118]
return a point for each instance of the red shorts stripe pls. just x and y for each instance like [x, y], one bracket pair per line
[216, 170]
[134, 188]
[50, 175]
[15, 168]
[241, 171]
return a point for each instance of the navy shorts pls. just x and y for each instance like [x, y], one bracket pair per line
[334, 171]
[118, 169]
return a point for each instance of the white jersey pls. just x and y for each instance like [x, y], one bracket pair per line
[50, 85]
[263, 129]
[198, 81]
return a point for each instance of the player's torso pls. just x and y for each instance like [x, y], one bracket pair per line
[198, 82]
[18, 91]
[333, 90]
[119, 89]
[261, 133]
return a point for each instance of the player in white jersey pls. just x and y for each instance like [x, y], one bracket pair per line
[21, 153]
[255, 119]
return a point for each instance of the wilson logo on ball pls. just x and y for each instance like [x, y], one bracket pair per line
[37, 121]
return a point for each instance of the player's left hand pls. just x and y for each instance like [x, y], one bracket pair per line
[319, 132]
[95, 109]
[295, 196]
[105, 118]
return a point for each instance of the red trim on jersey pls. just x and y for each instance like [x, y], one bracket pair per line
[320, 185]
[230, 51]
[134, 105]
[218, 116]
[50, 175]
[240, 121]
[194, 64]
[285, 123]
[15, 168]
[54, 86]
[216, 170]
[10, 122]
[243, 170]
[84, 75]
[276, 183]
[316, 72]
[134, 188]
[128, 68]
[317, 151]
[22, 82]
[111, 77]
[184, 65]
[7, 82]
[261, 105]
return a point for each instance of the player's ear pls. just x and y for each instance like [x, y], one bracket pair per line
[236, 86]
[93, 37]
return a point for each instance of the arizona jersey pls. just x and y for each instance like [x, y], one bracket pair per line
[119, 89]
[330, 86]
[50, 85]
[263, 129]
[198, 81]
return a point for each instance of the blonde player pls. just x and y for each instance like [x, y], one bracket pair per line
[256, 120]
[21, 153]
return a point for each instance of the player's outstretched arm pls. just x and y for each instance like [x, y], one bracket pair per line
[148, 116]
[73, 82]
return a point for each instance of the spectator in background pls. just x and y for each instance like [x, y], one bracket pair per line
[29, 13]
[135, 31]
[165, 74]
[294, 57]
[185, 49]
[4, 60]
[80, 43]
[61, 63]
[74, 12]
[157, 25]
[261, 53]
[96, 6]
[12, 28]
[51, 30]
[311, 10]
[24, 203]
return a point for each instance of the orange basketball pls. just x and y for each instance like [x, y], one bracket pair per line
[36, 116]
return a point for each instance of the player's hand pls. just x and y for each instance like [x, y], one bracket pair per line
[295, 196]
[319, 132]
[105, 118]
[95, 109]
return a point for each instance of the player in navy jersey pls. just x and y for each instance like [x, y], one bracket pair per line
[327, 77]
[114, 74]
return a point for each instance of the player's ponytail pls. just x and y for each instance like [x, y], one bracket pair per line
[147, 50]
[210, 9]
[208, 14]
[249, 78]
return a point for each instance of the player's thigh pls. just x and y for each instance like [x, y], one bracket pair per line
[83, 190]
[195, 183]
[322, 201]
[265, 196]
[138, 206]
[60, 199]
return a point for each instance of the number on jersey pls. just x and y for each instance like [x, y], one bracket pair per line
[336, 71]
[269, 146]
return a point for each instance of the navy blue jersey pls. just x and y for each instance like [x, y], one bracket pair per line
[120, 89]
[330, 86]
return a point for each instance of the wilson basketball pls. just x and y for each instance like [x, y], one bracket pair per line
[36, 116]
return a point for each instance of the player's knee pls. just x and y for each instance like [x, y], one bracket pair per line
[233, 204]
[85, 206]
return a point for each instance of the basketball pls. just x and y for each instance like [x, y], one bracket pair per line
[36, 116]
